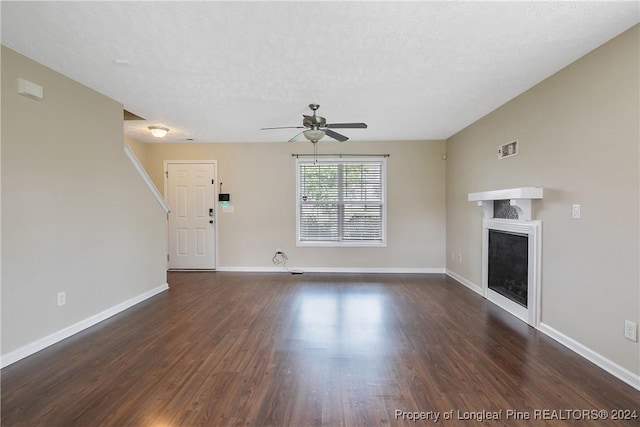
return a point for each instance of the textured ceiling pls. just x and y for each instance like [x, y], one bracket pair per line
[220, 71]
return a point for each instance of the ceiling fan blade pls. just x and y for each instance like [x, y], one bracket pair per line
[284, 127]
[336, 135]
[295, 138]
[347, 125]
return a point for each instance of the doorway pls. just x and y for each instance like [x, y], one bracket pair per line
[190, 192]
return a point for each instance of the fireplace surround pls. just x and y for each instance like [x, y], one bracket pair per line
[511, 251]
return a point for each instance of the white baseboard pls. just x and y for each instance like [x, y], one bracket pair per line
[42, 343]
[333, 270]
[469, 284]
[252, 269]
[613, 368]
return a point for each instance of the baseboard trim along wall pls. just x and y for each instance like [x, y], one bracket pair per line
[613, 368]
[469, 284]
[602, 362]
[55, 337]
[280, 269]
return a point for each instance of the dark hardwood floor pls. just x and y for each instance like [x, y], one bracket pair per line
[276, 349]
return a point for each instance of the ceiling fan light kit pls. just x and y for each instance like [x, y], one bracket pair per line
[317, 127]
[314, 135]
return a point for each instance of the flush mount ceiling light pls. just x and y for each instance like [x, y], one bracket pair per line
[314, 135]
[158, 131]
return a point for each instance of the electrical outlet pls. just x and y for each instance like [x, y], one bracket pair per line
[631, 330]
[62, 298]
[575, 211]
[459, 257]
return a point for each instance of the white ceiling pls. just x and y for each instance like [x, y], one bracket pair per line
[220, 71]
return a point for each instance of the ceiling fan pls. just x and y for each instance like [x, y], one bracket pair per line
[316, 127]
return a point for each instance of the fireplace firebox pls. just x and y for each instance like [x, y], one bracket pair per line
[508, 267]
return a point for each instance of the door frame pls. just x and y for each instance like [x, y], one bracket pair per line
[165, 174]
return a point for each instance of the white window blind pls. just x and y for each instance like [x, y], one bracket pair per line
[341, 202]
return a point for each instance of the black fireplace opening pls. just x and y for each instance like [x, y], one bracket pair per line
[509, 265]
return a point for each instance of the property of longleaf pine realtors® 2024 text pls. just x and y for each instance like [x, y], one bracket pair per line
[512, 414]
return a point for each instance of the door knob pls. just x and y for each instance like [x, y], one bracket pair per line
[210, 221]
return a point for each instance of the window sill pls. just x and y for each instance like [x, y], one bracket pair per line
[342, 244]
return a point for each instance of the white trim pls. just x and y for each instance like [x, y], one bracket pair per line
[435, 270]
[339, 244]
[507, 194]
[469, 284]
[252, 269]
[166, 162]
[342, 243]
[519, 198]
[611, 367]
[533, 230]
[512, 307]
[42, 343]
[145, 177]
[383, 270]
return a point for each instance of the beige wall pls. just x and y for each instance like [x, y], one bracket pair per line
[76, 216]
[579, 136]
[261, 180]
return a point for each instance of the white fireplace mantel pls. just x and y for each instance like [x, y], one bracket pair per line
[507, 194]
[520, 198]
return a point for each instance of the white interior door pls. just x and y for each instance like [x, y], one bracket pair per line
[191, 197]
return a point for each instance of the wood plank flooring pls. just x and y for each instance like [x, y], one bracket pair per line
[274, 349]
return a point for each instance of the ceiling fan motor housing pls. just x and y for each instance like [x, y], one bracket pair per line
[311, 121]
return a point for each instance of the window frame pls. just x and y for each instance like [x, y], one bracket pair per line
[343, 243]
